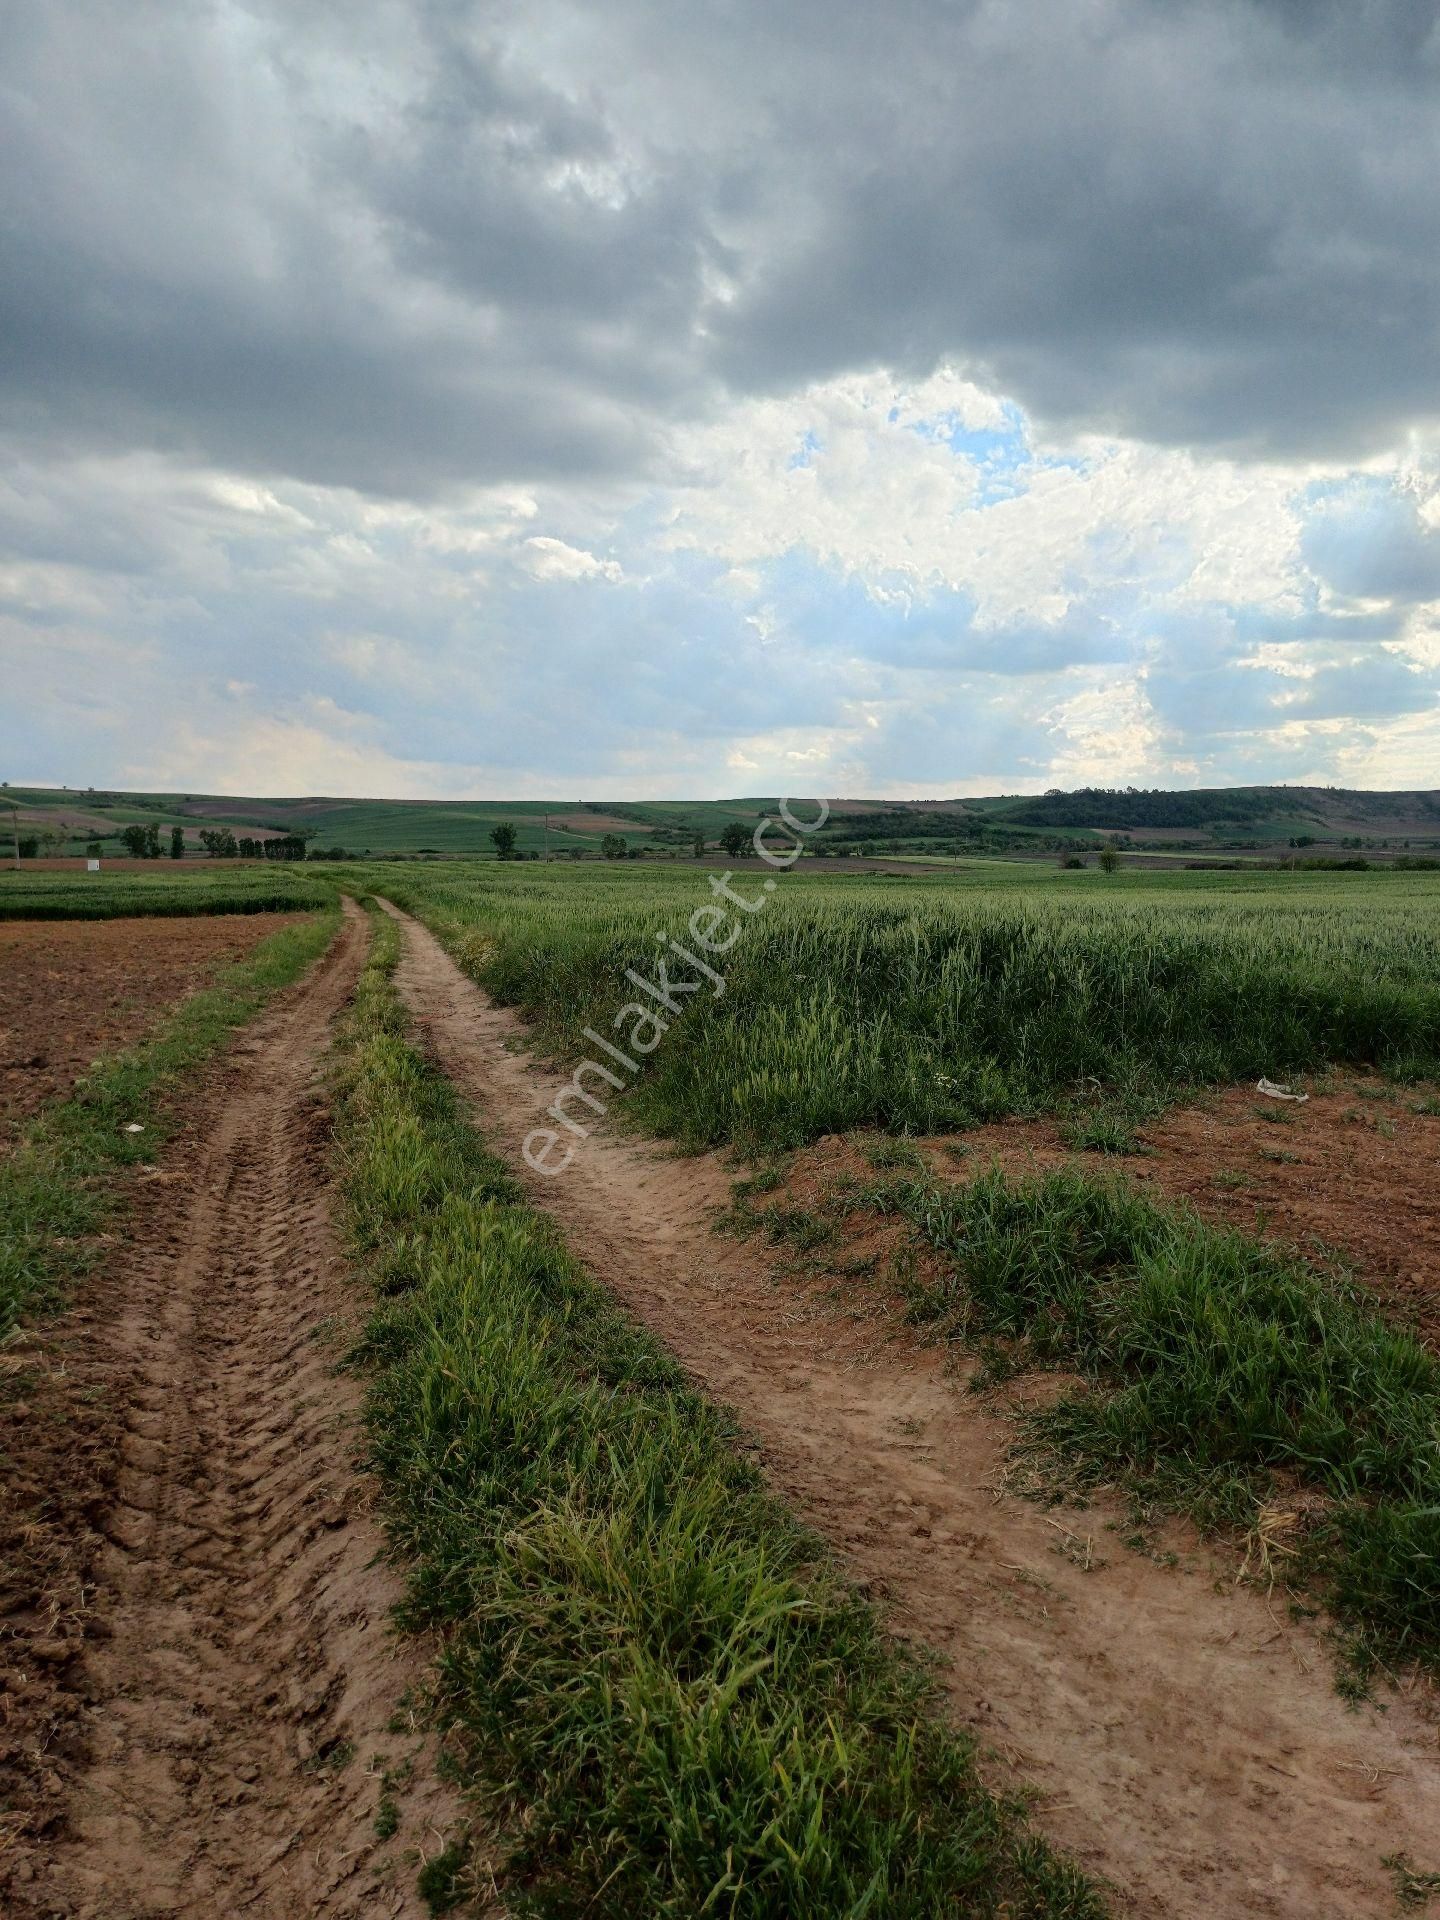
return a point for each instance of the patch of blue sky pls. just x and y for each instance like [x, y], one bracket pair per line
[1313, 623]
[1326, 489]
[1002, 457]
[918, 624]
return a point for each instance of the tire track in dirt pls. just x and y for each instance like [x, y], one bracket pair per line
[244, 1673]
[1183, 1737]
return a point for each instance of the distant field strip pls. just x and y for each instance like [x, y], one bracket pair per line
[178, 890]
[937, 1002]
[665, 1696]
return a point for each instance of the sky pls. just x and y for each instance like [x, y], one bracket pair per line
[629, 400]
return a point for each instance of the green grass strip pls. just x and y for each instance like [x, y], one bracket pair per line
[1213, 1363]
[168, 892]
[665, 1691]
[59, 1185]
[926, 1006]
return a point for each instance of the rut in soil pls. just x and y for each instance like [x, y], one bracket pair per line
[244, 1673]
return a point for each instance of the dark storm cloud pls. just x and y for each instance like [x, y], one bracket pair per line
[1193, 223]
[343, 247]
[400, 245]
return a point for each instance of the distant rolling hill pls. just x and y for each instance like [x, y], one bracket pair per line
[1170, 821]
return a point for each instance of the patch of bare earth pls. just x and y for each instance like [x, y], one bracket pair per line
[202, 1693]
[1182, 1736]
[583, 820]
[71, 990]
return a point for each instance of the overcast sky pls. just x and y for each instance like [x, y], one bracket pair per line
[629, 399]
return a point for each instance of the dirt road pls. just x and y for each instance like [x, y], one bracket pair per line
[1185, 1740]
[238, 1673]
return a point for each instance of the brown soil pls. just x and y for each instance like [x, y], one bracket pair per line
[580, 820]
[71, 990]
[200, 1678]
[1182, 1736]
[72, 820]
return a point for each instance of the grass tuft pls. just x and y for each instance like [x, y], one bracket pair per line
[168, 892]
[1102, 1130]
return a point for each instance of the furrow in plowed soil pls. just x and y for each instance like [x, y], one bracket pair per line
[241, 1673]
[1183, 1736]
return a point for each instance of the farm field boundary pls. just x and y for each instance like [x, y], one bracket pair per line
[934, 1004]
[103, 896]
[207, 1708]
[60, 1183]
[1184, 1740]
[76, 991]
[691, 1711]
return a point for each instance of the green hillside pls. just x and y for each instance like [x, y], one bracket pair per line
[78, 815]
[1158, 822]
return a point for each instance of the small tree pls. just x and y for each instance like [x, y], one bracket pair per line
[613, 846]
[152, 841]
[1109, 859]
[735, 840]
[699, 845]
[92, 849]
[29, 845]
[502, 838]
[134, 838]
[177, 843]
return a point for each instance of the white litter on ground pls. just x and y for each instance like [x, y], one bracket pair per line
[1274, 1091]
